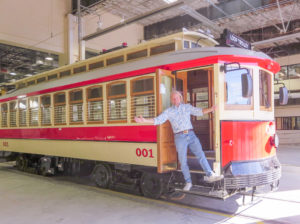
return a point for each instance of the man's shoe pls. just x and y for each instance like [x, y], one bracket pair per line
[187, 186]
[213, 177]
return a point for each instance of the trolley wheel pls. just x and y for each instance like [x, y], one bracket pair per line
[152, 185]
[22, 163]
[102, 175]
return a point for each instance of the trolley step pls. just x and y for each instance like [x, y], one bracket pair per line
[206, 192]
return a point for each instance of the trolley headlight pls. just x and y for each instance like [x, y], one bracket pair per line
[275, 140]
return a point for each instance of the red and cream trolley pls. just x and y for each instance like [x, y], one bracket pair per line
[80, 116]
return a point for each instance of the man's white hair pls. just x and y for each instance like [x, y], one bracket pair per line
[175, 92]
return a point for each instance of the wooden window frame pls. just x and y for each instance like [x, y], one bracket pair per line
[76, 102]
[40, 108]
[6, 111]
[269, 97]
[60, 104]
[29, 108]
[115, 97]
[19, 111]
[132, 94]
[14, 110]
[141, 93]
[93, 100]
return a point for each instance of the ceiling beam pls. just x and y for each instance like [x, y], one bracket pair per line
[132, 20]
[276, 39]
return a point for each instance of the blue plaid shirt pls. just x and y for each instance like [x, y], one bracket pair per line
[179, 117]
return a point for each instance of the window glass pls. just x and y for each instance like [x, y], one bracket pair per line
[288, 123]
[22, 112]
[118, 109]
[60, 108]
[116, 89]
[233, 88]
[142, 99]
[165, 90]
[13, 114]
[4, 111]
[186, 44]
[46, 110]
[282, 74]
[95, 111]
[76, 106]
[294, 71]
[117, 103]
[201, 99]
[60, 98]
[194, 45]
[264, 89]
[76, 95]
[95, 104]
[94, 92]
[33, 111]
[142, 85]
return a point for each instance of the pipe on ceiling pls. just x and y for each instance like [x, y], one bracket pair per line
[132, 20]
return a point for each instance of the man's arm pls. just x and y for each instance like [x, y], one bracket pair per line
[210, 109]
[140, 119]
[162, 118]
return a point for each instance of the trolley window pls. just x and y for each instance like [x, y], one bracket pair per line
[117, 103]
[142, 97]
[13, 114]
[60, 108]
[265, 90]
[46, 110]
[95, 104]
[76, 106]
[33, 111]
[22, 112]
[4, 113]
[51, 77]
[233, 91]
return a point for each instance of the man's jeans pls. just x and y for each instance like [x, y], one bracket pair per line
[190, 140]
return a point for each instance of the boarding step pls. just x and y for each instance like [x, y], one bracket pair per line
[194, 164]
[206, 192]
[210, 154]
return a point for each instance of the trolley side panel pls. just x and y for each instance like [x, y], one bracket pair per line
[104, 133]
[245, 141]
[137, 153]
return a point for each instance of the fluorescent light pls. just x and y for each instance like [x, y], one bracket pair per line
[170, 1]
[12, 73]
[49, 58]
[21, 96]
[28, 75]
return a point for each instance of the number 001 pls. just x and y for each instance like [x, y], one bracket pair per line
[144, 152]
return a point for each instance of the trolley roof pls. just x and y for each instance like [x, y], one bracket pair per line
[174, 60]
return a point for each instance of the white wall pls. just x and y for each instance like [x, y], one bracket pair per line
[30, 23]
[132, 34]
[288, 60]
[44, 25]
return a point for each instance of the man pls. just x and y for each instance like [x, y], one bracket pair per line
[179, 116]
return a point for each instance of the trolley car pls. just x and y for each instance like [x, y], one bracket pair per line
[81, 117]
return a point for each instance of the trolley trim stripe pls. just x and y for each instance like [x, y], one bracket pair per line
[261, 62]
[111, 133]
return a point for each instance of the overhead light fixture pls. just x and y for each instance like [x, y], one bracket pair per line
[13, 73]
[49, 58]
[39, 62]
[170, 1]
[28, 75]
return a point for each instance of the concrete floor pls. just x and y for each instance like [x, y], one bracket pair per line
[28, 198]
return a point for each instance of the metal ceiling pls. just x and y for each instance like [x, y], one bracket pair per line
[264, 22]
[17, 62]
[277, 21]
